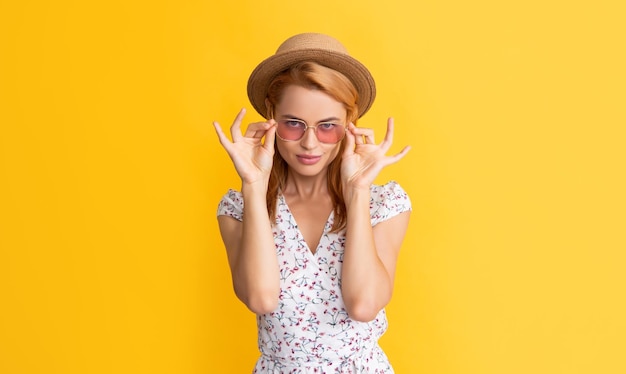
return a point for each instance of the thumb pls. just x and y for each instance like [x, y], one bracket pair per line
[270, 137]
[350, 141]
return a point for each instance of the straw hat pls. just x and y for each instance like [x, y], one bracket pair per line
[319, 48]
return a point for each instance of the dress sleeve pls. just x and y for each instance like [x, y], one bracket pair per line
[387, 201]
[231, 205]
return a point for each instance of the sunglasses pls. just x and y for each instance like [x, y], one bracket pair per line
[294, 129]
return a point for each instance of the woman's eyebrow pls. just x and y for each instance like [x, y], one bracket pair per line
[289, 116]
[329, 119]
[325, 120]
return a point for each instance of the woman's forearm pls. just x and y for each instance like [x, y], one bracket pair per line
[366, 284]
[255, 272]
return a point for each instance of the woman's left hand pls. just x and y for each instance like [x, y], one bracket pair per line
[363, 159]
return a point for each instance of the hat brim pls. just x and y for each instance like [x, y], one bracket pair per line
[268, 69]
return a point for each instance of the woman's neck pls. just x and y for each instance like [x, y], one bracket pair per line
[306, 186]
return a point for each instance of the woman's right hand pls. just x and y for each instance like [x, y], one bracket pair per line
[252, 157]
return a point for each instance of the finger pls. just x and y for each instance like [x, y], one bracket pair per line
[257, 130]
[366, 134]
[398, 156]
[220, 134]
[386, 143]
[357, 132]
[235, 129]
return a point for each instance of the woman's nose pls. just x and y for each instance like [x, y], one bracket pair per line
[309, 139]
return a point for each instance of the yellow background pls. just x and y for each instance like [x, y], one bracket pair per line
[110, 175]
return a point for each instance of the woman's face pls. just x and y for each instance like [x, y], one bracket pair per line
[308, 156]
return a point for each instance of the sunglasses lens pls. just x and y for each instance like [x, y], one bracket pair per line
[330, 133]
[290, 130]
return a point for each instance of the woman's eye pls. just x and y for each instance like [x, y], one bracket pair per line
[326, 126]
[294, 123]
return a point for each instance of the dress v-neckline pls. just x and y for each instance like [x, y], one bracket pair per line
[300, 238]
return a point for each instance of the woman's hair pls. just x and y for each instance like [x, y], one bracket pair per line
[313, 76]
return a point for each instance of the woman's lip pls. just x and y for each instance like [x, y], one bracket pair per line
[308, 159]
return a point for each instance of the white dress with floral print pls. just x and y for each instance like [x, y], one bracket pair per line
[310, 331]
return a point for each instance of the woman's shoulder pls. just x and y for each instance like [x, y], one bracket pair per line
[390, 190]
[231, 205]
[388, 200]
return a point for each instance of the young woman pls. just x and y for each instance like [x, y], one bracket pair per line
[312, 243]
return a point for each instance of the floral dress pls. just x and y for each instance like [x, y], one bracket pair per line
[310, 331]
